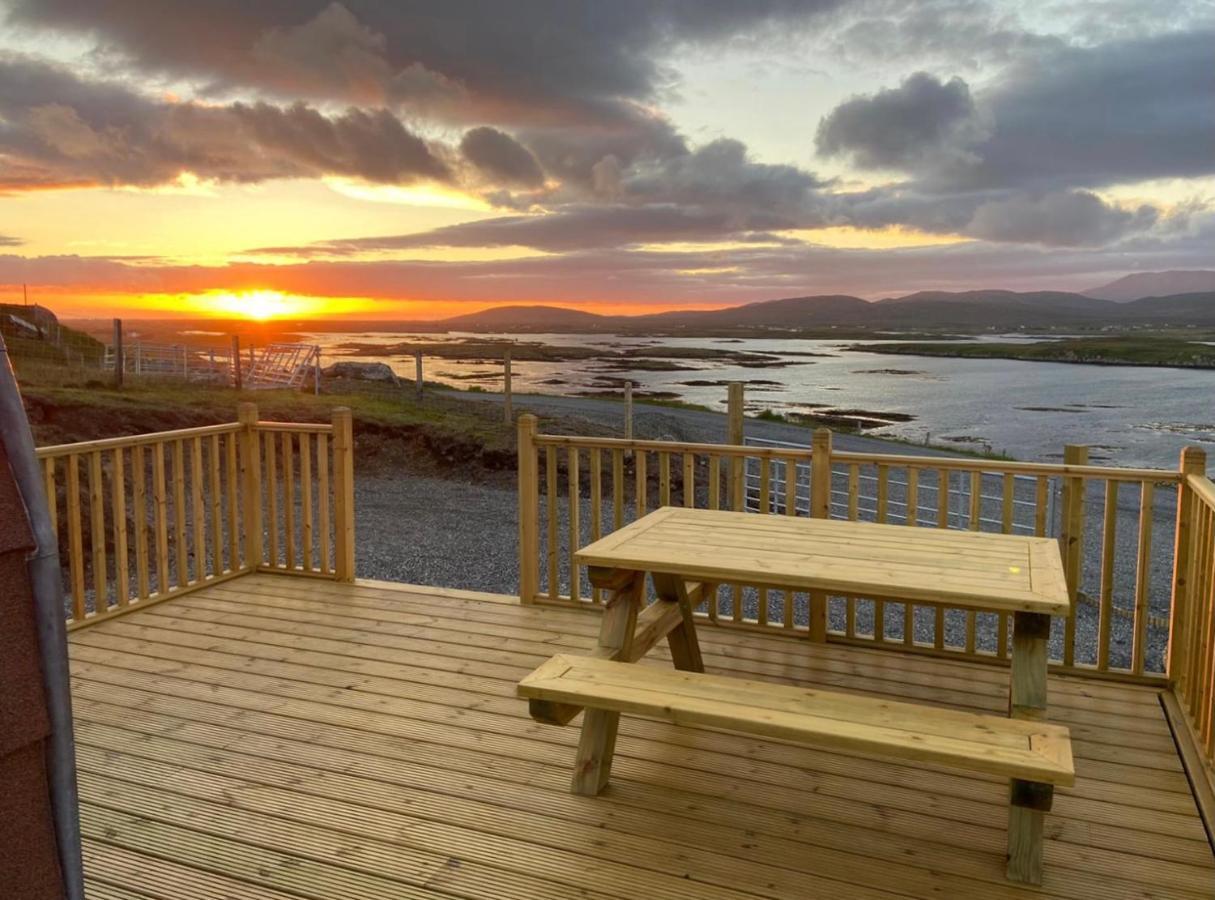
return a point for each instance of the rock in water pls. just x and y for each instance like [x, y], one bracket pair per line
[364, 371]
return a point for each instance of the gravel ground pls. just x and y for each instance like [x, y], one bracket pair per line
[456, 534]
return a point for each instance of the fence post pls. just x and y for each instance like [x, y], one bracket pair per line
[628, 410]
[236, 375]
[506, 399]
[1193, 462]
[820, 508]
[417, 355]
[529, 511]
[1071, 541]
[343, 494]
[251, 480]
[735, 437]
[119, 360]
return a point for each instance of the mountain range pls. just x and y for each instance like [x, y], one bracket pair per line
[925, 310]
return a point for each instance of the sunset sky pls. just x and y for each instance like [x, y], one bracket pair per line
[395, 159]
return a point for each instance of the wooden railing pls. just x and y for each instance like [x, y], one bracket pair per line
[1192, 644]
[150, 516]
[1114, 525]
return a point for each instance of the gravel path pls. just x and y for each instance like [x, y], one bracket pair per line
[457, 534]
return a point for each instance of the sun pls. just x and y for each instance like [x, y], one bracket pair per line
[257, 305]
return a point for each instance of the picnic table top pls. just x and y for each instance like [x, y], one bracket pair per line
[970, 569]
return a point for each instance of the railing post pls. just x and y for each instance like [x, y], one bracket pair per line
[529, 511]
[820, 508]
[251, 481]
[735, 437]
[1193, 462]
[343, 494]
[1071, 541]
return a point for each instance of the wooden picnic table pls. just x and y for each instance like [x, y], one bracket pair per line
[687, 552]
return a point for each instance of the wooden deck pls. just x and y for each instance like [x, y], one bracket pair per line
[279, 737]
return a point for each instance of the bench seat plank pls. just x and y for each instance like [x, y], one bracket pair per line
[1014, 748]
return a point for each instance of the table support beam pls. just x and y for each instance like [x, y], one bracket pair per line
[685, 648]
[593, 764]
[1028, 801]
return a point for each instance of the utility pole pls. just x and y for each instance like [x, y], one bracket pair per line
[506, 400]
[119, 362]
[236, 376]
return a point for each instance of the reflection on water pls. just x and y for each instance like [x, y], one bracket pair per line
[1128, 415]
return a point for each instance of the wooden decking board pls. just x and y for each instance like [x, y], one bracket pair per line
[560, 625]
[562, 619]
[710, 750]
[699, 754]
[344, 727]
[175, 646]
[640, 838]
[388, 636]
[387, 754]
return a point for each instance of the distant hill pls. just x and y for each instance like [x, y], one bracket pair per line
[990, 309]
[926, 310]
[791, 312]
[1154, 284]
[1180, 309]
[527, 318]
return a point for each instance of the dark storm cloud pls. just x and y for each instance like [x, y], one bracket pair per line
[57, 129]
[543, 61]
[501, 157]
[1071, 117]
[917, 123]
[1063, 219]
[1114, 113]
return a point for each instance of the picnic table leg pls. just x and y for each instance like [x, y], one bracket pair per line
[1028, 801]
[597, 743]
[685, 647]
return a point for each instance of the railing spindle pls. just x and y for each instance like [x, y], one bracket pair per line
[550, 508]
[139, 507]
[160, 518]
[75, 537]
[289, 498]
[217, 521]
[196, 509]
[1105, 608]
[97, 531]
[179, 513]
[272, 524]
[596, 464]
[573, 480]
[322, 500]
[118, 508]
[307, 532]
[1142, 576]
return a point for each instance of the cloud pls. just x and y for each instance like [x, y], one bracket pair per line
[540, 62]
[1109, 114]
[1064, 219]
[9, 241]
[922, 122]
[584, 227]
[628, 275]
[501, 157]
[58, 129]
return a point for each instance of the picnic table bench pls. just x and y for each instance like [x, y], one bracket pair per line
[686, 552]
